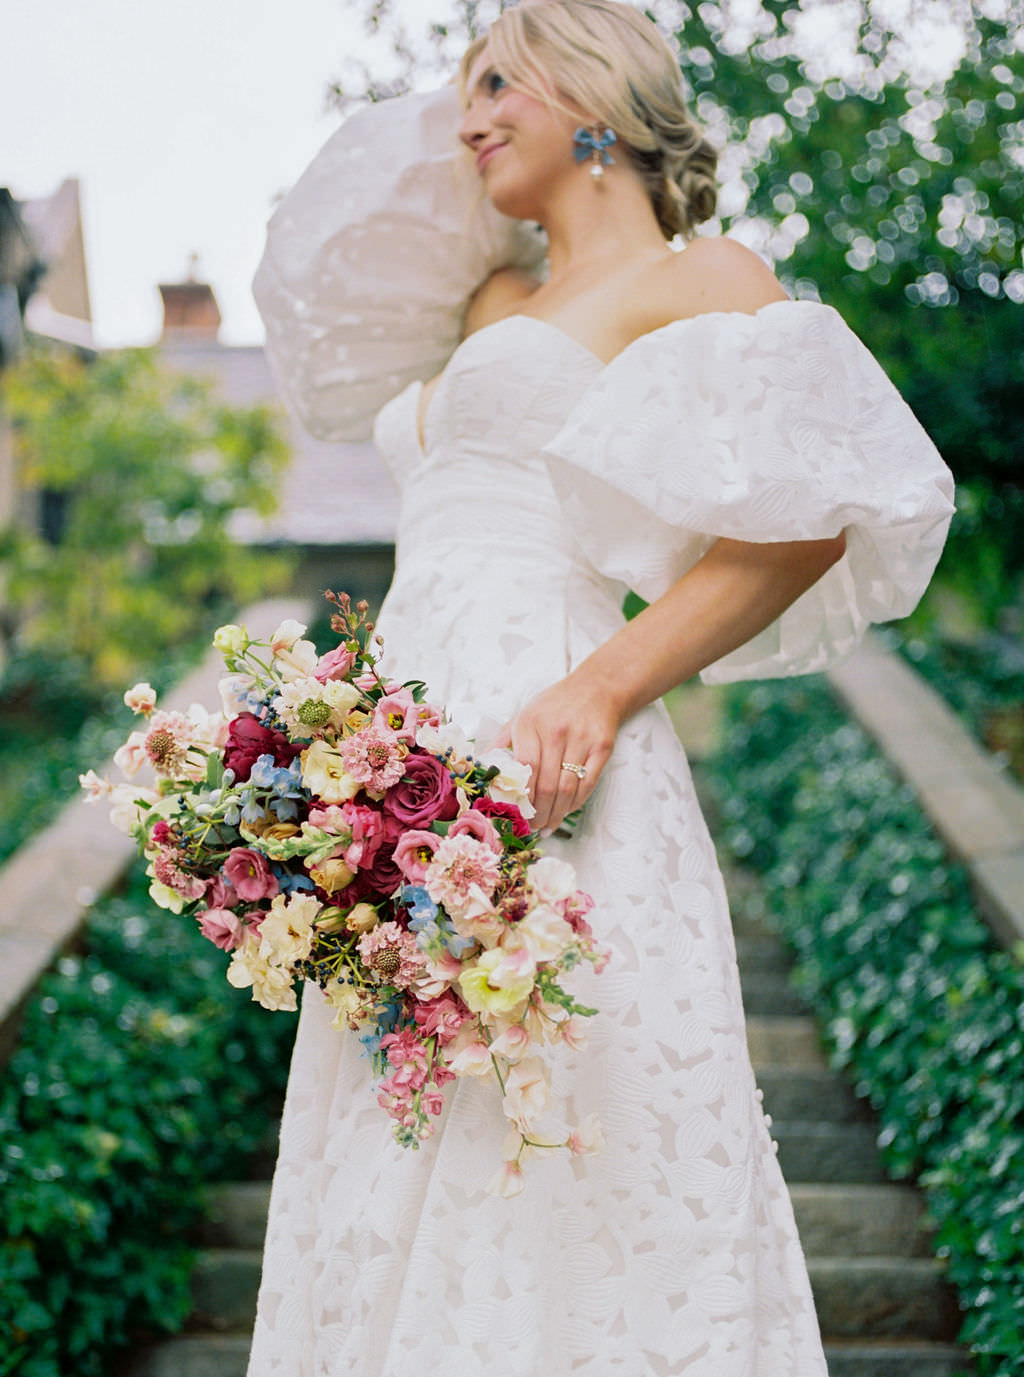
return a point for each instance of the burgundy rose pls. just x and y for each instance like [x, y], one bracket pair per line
[382, 876]
[248, 739]
[491, 808]
[424, 792]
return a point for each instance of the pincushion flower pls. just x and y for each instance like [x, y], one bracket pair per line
[392, 954]
[287, 932]
[459, 864]
[308, 707]
[325, 776]
[375, 758]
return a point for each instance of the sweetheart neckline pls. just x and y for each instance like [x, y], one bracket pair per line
[422, 422]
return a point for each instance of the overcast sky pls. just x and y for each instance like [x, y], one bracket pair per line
[182, 122]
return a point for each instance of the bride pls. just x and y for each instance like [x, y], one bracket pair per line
[635, 417]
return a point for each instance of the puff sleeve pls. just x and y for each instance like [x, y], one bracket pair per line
[778, 426]
[371, 258]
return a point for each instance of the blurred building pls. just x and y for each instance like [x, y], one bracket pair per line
[338, 508]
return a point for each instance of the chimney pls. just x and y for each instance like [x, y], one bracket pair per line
[191, 312]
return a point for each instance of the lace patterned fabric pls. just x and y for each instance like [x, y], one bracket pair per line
[546, 480]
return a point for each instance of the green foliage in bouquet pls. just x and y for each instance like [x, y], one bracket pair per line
[141, 469]
[136, 1081]
[918, 1005]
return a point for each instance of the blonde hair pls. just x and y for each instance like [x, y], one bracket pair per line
[610, 60]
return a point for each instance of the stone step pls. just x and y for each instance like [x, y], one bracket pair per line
[881, 1298]
[191, 1355]
[860, 1221]
[808, 1096]
[824, 1152]
[762, 954]
[792, 1042]
[769, 994]
[235, 1215]
[907, 1359]
[225, 1282]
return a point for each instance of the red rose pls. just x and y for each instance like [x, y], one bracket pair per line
[424, 792]
[491, 808]
[248, 739]
[382, 876]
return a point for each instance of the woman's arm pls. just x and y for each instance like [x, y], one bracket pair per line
[734, 591]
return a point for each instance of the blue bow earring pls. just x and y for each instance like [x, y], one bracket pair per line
[585, 145]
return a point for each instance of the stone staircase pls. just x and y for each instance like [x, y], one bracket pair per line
[884, 1308]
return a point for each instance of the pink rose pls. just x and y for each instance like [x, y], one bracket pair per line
[336, 664]
[424, 792]
[250, 874]
[222, 928]
[474, 824]
[414, 852]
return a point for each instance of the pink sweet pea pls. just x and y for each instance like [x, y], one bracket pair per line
[250, 874]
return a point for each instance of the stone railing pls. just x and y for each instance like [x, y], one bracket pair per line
[49, 883]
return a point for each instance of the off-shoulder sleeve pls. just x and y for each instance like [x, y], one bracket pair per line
[371, 258]
[777, 426]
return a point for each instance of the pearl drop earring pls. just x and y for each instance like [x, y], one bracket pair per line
[585, 145]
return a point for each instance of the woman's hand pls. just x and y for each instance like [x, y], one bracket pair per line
[571, 721]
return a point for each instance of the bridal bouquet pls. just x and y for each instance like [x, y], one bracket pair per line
[331, 826]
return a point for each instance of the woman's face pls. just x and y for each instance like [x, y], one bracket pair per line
[522, 149]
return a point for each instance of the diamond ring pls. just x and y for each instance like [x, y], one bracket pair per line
[578, 770]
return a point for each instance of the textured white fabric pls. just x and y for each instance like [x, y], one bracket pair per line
[767, 427]
[371, 258]
[675, 1252]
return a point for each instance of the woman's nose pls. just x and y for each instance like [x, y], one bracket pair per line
[474, 126]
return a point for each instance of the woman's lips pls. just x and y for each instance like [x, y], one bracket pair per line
[486, 156]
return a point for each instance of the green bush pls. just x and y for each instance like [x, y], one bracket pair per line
[919, 1006]
[139, 1076]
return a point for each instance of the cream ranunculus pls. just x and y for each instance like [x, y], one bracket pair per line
[325, 776]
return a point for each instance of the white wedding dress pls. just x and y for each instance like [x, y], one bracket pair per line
[546, 484]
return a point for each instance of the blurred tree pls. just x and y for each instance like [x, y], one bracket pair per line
[875, 151]
[141, 470]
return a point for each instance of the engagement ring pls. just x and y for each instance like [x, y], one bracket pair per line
[578, 770]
